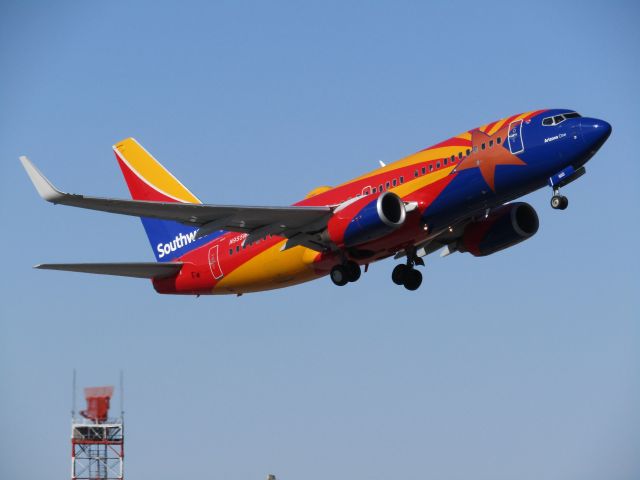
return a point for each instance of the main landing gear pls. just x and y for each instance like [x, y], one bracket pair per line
[559, 202]
[407, 275]
[345, 273]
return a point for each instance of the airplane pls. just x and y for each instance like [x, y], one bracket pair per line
[455, 196]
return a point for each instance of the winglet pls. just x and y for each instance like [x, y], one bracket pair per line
[44, 187]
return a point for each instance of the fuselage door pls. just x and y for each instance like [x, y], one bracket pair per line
[214, 264]
[516, 145]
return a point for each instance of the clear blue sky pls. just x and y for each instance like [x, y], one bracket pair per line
[521, 365]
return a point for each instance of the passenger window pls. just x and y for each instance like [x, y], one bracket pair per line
[446, 160]
[424, 170]
[469, 151]
[375, 189]
[490, 143]
[380, 188]
[395, 182]
[453, 158]
[387, 185]
[475, 148]
[401, 179]
[431, 167]
[231, 251]
[238, 248]
[415, 174]
[460, 156]
[499, 140]
[437, 164]
[483, 146]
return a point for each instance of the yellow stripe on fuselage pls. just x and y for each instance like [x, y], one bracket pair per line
[272, 268]
[502, 123]
[152, 172]
[409, 187]
[416, 158]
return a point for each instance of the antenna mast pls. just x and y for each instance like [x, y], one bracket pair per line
[121, 394]
[73, 395]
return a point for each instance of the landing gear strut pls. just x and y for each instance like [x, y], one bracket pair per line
[407, 275]
[345, 273]
[559, 202]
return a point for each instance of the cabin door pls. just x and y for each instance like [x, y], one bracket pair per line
[214, 263]
[516, 144]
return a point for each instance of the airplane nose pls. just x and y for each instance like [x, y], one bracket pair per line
[594, 132]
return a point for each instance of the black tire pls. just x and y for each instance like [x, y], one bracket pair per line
[353, 271]
[339, 276]
[556, 202]
[564, 203]
[412, 279]
[397, 276]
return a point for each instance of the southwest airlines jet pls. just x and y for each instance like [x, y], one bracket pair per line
[456, 196]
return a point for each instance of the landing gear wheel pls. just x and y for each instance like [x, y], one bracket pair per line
[564, 203]
[412, 279]
[398, 274]
[339, 275]
[559, 202]
[353, 271]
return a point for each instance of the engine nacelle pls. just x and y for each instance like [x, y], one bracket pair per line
[504, 227]
[365, 219]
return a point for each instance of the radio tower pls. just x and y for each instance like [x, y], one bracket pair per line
[97, 441]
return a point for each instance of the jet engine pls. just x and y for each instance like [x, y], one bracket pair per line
[365, 219]
[505, 226]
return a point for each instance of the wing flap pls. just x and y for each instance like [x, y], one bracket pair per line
[129, 269]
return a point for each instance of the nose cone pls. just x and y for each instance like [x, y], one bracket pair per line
[594, 133]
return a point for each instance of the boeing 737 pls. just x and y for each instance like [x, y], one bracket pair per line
[456, 196]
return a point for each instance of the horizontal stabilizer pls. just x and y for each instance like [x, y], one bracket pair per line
[136, 270]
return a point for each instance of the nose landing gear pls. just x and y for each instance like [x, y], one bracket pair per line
[560, 179]
[559, 202]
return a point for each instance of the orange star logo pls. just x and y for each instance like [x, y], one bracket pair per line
[490, 157]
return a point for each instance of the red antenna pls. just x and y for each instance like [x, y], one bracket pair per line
[98, 400]
[97, 441]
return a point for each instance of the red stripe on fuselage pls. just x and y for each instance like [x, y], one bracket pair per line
[452, 142]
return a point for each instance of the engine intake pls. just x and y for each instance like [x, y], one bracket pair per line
[366, 219]
[505, 226]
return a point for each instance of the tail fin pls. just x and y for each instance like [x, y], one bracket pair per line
[148, 180]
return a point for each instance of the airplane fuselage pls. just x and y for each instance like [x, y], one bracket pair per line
[444, 187]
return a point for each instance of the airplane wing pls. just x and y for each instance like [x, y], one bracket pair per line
[299, 224]
[136, 270]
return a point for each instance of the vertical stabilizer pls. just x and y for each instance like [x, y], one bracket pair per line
[148, 180]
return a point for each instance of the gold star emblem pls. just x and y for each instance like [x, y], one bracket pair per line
[490, 157]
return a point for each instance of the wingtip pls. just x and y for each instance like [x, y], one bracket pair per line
[43, 186]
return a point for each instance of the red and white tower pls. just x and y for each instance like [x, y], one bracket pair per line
[97, 441]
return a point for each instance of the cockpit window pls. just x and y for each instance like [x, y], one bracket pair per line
[548, 121]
